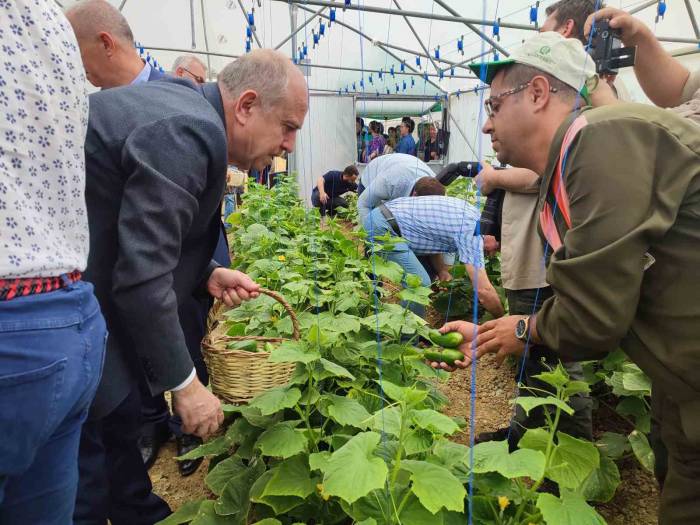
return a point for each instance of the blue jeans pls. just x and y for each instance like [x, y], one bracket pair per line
[51, 353]
[377, 225]
[229, 207]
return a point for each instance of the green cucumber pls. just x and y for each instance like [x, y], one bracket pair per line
[446, 355]
[246, 345]
[448, 340]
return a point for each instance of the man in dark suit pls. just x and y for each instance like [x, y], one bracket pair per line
[110, 59]
[156, 159]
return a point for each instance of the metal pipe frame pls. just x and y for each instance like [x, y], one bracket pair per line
[418, 38]
[693, 20]
[643, 6]
[413, 52]
[121, 6]
[473, 28]
[194, 42]
[252, 28]
[206, 39]
[412, 14]
[302, 26]
[405, 73]
[363, 35]
[371, 96]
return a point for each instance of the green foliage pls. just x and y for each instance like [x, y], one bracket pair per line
[347, 440]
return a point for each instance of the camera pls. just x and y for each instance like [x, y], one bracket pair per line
[490, 222]
[607, 51]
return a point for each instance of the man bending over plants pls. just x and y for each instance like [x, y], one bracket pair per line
[621, 224]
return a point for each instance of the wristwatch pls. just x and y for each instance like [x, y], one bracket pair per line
[522, 329]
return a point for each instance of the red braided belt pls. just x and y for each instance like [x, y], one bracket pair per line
[21, 286]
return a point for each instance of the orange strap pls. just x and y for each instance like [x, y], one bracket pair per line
[558, 188]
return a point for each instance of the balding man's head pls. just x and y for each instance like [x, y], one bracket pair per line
[189, 66]
[106, 43]
[265, 100]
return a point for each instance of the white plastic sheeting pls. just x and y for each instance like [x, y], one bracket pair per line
[326, 141]
[468, 116]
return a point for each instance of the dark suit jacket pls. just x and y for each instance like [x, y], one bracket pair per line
[156, 161]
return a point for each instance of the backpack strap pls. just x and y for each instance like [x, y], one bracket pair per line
[558, 189]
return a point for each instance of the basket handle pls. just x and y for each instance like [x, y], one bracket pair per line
[296, 333]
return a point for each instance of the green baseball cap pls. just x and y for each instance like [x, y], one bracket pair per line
[563, 58]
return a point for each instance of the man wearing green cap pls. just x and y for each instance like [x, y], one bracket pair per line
[620, 214]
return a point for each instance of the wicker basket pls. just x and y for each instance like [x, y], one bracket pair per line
[237, 376]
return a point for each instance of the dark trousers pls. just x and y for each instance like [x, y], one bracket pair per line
[522, 302]
[331, 204]
[114, 484]
[51, 354]
[675, 439]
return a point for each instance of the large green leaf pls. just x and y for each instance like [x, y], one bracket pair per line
[208, 516]
[568, 510]
[331, 369]
[534, 439]
[572, 461]
[290, 478]
[388, 269]
[416, 295]
[417, 441]
[601, 485]
[634, 380]
[434, 421]
[353, 470]
[528, 403]
[451, 454]
[346, 411]
[184, 514]
[493, 456]
[279, 504]
[641, 449]
[435, 486]
[557, 377]
[282, 440]
[212, 448]
[234, 501]
[613, 445]
[276, 399]
[294, 352]
[319, 460]
[268, 521]
[223, 471]
[387, 420]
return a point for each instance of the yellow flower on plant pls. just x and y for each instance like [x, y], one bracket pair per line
[281, 258]
[324, 495]
[503, 502]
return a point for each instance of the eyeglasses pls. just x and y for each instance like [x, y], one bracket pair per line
[492, 104]
[198, 79]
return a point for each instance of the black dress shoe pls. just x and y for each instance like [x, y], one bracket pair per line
[185, 443]
[150, 442]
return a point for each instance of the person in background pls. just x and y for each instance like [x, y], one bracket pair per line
[189, 66]
[433, 225]
[568, 18]
[363, 139]
[407, 143]
[378, 143]
[107, 46]
[52, 333]
[387, 178]
[667, 82]
[327, 194]
[391, 141]
[433, 147]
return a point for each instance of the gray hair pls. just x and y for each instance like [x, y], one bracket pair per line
[186, 61]
[89, 17]
[264, 71]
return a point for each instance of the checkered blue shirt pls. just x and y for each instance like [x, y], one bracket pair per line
[436, 224]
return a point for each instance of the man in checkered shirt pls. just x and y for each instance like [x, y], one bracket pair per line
[433, 225]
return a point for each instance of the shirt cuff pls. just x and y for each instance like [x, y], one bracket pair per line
[186, 382]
